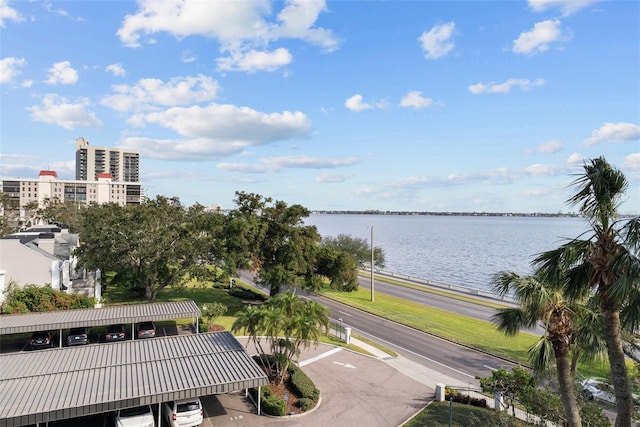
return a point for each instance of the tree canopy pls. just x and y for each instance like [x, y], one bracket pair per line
[358, 248]
[149, 246]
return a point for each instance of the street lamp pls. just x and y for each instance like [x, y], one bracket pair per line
[340, 320]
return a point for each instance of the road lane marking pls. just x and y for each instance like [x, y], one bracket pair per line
[320, 356]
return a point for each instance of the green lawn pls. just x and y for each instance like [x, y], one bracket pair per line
[438, 414]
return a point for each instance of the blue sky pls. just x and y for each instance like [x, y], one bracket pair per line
[349, 105]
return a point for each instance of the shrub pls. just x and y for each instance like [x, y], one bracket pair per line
[33, 298]
[269, 402]
[302, 384]
[305, 404]
[466, 399]
[202, 325]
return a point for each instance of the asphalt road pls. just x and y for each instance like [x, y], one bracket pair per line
[454, 360]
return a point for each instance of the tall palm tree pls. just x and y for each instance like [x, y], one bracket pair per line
[543, 302]
[605, 263]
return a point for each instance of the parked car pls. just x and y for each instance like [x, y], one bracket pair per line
[597, 388]
[77, 336]
[146, 330]
[40, 339]
[183, 413]
[140, 416]
[114, 333]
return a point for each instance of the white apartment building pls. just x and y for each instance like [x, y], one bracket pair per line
[124, 166]
[103, 190]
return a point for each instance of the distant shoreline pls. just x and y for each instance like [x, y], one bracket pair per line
[425, 213]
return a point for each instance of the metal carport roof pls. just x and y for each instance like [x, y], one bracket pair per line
[48, 385]
[130, 313]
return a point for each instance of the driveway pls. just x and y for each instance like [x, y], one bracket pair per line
[355, 390]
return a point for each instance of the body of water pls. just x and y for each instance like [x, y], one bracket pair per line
[459, 250]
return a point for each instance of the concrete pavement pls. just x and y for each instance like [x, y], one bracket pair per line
[355, 389]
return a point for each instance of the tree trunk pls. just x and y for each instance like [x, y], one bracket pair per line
[565, 382]
[619, 375]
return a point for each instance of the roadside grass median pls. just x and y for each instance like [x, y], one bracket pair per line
[461, 329]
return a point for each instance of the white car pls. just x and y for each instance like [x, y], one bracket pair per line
[141, 416]
[597, 388]
[183, 413]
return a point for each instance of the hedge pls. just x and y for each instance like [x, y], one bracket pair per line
[302, 384]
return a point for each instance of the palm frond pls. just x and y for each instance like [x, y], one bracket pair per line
[541, 355]
[511, 320]
[630, 234]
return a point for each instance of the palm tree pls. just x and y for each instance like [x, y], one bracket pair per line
[605, 263]
[288, 323]
[542, 302]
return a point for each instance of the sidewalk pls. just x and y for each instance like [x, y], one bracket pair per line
[431, 377]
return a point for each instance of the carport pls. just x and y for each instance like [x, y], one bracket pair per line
[61, 383]
[129, 313]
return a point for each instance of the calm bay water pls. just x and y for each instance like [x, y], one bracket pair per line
[460, 250]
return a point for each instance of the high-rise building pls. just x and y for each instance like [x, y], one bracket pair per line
[102, 190]
[91, 161]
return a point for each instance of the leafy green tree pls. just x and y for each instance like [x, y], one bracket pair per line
[149, 246]
[511, 385]
[339, 267]
[287, 323]
[67, 213]
[604, 262]
[272, 239]
[10, 218]
[212, 311]
[357, 247]
[543, 302]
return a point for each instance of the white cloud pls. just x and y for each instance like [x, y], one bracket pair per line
[547, 147]
[505, 87]
[59, 111]
[253, 60]
[8, 14]
[116, 70]
[188, 56]
[331, 177]
[632, 162]
[614, 132]
[575, 159]
[62, 73]
[148, 94]
[436, 42]
[539, 38]
[217, 130]
[276, 164]
[241, 27]
[415, 99]
[567, 7]
[10, 68]
[356, 103]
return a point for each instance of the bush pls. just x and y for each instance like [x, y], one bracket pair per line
[202, 325]
[302, 384]
[33, 298]
[466, 399]
[305, 404]
[270, 403]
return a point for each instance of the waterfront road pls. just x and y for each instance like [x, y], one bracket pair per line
[483, 309]
[458, 362]
[451, 359]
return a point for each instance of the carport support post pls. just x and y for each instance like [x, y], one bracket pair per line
[60, 337]
[159, 423]
[259, 395]
[133, 330]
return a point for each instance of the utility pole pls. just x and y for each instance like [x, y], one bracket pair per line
[372, 259]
